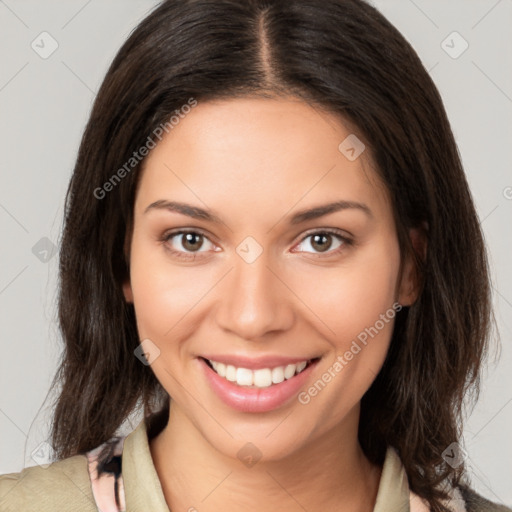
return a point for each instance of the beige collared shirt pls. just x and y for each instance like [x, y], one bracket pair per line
[65, 485]
[393, 493]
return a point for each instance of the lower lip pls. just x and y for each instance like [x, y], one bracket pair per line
[256, 399]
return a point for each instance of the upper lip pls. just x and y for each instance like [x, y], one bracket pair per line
[256, 362]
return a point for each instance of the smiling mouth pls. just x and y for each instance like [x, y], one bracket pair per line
[260, 378]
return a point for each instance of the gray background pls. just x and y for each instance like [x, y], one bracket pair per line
[44, 104]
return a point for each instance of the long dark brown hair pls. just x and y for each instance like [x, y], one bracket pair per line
[339, 55]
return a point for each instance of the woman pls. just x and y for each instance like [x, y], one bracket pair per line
[270, 248]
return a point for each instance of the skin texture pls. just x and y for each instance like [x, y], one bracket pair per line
[256, 162]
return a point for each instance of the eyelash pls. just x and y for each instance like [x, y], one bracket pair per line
[346, 242]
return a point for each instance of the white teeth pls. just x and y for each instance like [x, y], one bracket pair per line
[289, 371]
[244, 377]
[221, 369]
[277, 375]
[301, 366]
[230, 373]
[261, 378]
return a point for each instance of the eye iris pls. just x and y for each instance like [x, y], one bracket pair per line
[188, 241]
[321, 236]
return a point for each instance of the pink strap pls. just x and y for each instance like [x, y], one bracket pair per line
[104, 464]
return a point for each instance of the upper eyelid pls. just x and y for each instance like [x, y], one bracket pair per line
[332, 231]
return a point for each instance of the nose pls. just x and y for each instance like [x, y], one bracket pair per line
[255, 300]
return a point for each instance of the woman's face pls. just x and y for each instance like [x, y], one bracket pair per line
[268, 277]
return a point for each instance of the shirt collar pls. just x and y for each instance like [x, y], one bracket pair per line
[143, 490]
[142, 487]
[393, 492]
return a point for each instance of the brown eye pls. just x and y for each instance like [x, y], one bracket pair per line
[323, 241]
[186, 244]
[192, 241]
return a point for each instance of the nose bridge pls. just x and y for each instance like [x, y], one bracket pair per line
[255, 299]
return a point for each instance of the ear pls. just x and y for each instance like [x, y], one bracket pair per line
[411, 279]
[127, 285]
[127, 291]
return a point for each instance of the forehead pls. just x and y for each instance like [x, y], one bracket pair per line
[262, 154]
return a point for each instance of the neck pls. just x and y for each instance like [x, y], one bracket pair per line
[329, 471]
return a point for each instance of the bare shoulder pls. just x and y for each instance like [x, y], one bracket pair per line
[62, 485]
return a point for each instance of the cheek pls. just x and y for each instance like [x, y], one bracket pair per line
[163, 293]
[370, 319]
[350, 299]
[356, 307]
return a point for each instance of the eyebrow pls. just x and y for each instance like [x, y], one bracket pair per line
[302, 216]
